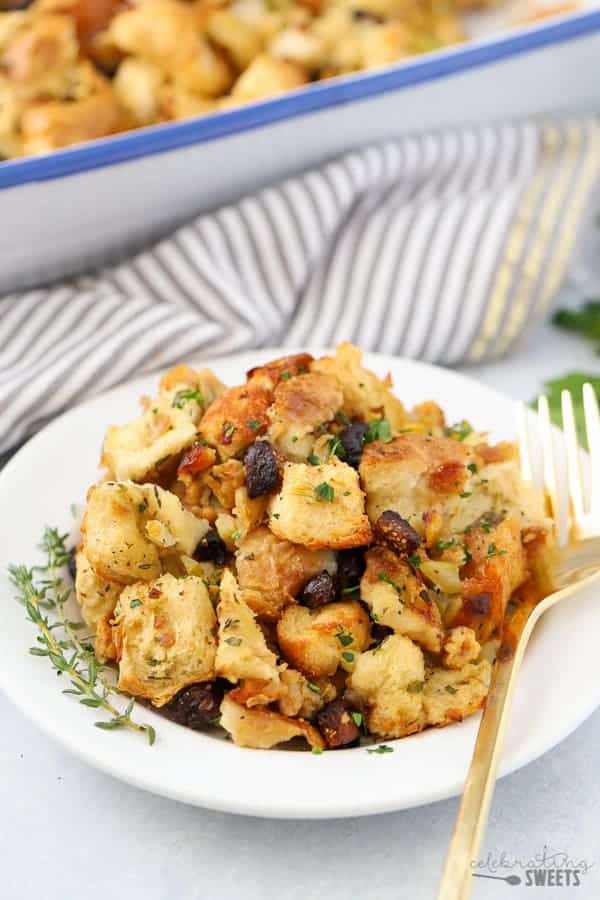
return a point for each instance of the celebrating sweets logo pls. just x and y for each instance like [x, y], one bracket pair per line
[545, 869]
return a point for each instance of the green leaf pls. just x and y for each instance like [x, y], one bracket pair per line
[585, 321]
[378, 430]
[572, 382]
[357, 718]
[151, 733]
[94, 702]
[37, 651]
[382, 748]
[325, 492]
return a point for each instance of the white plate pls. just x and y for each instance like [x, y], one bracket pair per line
[560, 684]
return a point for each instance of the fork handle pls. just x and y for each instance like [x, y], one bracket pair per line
[479, 787]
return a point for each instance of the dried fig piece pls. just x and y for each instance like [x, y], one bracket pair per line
[397, 533]
[352, 439]
[211, 549]
[318, 591]
[195, 706]
[337, 725]
[262, 470]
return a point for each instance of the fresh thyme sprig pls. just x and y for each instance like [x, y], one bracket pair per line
[41, 589]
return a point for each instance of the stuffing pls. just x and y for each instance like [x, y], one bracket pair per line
[388, 682]
[320, 506]
[137, 85]
[224, 480]
[235, 419]
[164, 633]
[267, 76]
[365, 395]
[248, 512]
[450, 695]
[397, 598]
[243, 655]
[272, 572]
[318, 641]
[301, 406]
[497, 567]
[48, 44]
[264, 728]
[272, 373]
[148, 446]
[230, 32]
[131, 531]
[301, 552]
[96, 596]
[460, 647]
[301, 697]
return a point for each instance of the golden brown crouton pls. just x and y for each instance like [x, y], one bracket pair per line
[96, 596]
[317, 641]
[264, 728]
[365, 395]
[168, 426]
[271, 572]
[243, 655]
[320, 506]
[236, 417]
[300, 406]
[266, 76]
[301, 697]
[397, 598]
[277, 370]
[224, 480]
[450, 695]
[131, 531]
[165, 637]
[460, 647]
[388, 681]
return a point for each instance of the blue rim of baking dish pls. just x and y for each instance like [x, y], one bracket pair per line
[315, 97]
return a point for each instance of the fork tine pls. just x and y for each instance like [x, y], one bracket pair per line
[576, 501]
[549, 462]
[524, 443]
[592, 425]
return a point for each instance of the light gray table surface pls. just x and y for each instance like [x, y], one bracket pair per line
[70, 832]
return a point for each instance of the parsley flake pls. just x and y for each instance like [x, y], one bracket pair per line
[378, 430]
[233, 641]
[357, 718]
[382, 748]
[347, 656]
[135, 602]
[254, 424]
[325, 492]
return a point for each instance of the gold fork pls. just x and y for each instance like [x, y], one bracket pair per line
[578, 563]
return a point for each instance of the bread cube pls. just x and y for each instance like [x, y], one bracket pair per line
[388, 681]
[320, 507]
[165, 637]
[318, 641]
[450, 695]
[264, 728]
[272, 572]
[300, 406]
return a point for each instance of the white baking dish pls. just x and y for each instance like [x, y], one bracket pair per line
[80, 207]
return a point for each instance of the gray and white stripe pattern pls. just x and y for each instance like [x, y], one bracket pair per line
[442, 247]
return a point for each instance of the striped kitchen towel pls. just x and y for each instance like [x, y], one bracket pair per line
[442, 246]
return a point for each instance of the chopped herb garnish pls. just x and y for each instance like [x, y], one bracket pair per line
[285, 376]
[233, 641]
[459, 431]
[451, 689]
[314, 460]
[384, 577]
[154, 410]
[254, 424]
[382, 748]
[335, 447]
[492, 551]
[182, 397]
[317, 751]
[355, 589]
[357, 718]
[236, 535]
[342, 418]
[378, 430]
[135, 602]
[472, 468]
[295, 439]
[325, 492]
[313, 687]
[344, 639]
[415, 560]
[468, 554]
[415, 687]
[228, 431]
[445, 545]
[142, 507]
[276, 515]
[347, 656]
[465, 494]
